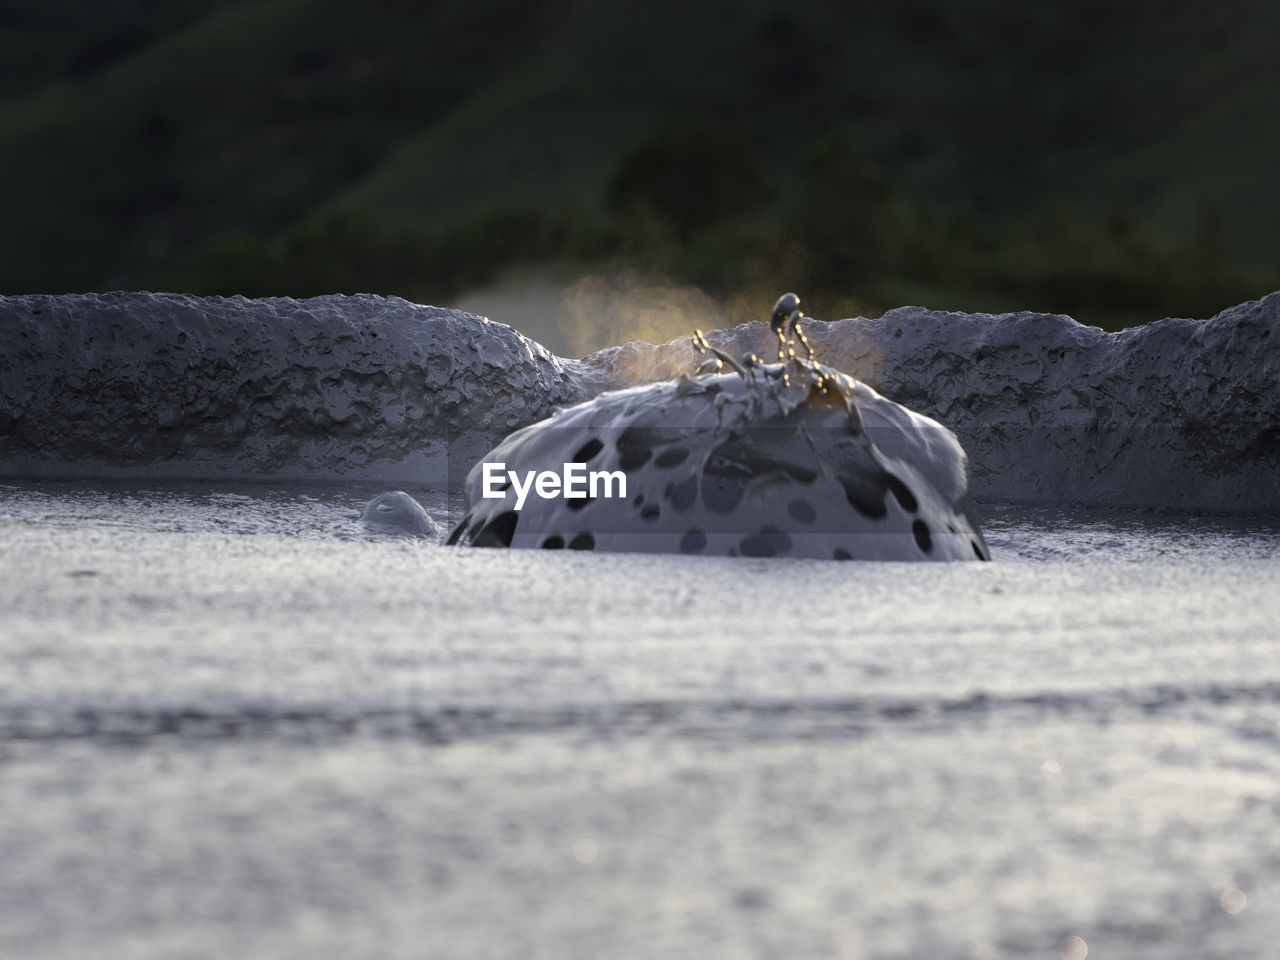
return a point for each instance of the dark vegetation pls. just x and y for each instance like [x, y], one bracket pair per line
[1113, 161]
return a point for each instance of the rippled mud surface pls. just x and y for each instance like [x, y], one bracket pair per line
[234, 722]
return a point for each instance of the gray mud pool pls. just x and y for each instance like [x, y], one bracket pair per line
[235, 723]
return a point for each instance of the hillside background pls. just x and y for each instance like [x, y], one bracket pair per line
[1114, 161]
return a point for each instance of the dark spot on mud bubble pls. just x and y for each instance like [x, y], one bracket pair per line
[498, 531]
[920, 530]
[650, 511]
[695, 541]
[583, 541]
[801, 511]
[650, 435]
[769, 542]
[553, 542]
[684, 494]
[866, 493]
[458, 531]
[906, 499]
[748, 457]
[720, 493]
[577, 503]
[636, 443]
[841, 554]
[588, 451]
[671, 458]
[629, 460]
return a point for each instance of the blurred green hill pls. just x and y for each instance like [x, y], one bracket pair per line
[1113, 161]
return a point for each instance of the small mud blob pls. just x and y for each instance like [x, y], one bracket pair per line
[398, 514]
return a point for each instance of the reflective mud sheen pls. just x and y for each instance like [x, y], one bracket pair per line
[235, 722]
